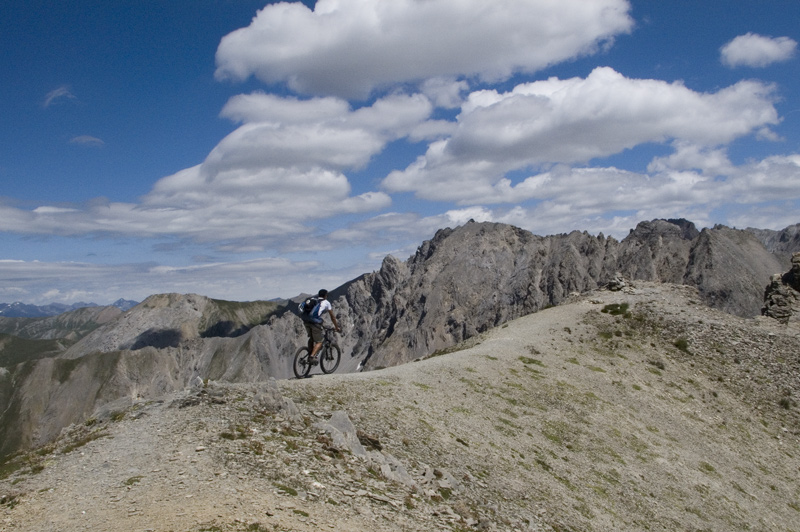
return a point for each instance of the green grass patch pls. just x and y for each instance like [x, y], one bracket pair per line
[133, 480]
[286, 489]
[616, 309]
[682, 344]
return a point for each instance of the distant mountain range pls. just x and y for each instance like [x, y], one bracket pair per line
[24, 310]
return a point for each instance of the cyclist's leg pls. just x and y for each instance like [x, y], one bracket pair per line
[317, 335]
[315, 349]
[310, 334]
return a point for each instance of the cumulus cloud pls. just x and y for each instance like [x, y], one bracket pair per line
[323, 132]
[445, 92]
[688, 156]
[755, 50]
[281, 170]
[574, 121]
[351, 47]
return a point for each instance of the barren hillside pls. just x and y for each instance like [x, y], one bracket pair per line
[633, 410]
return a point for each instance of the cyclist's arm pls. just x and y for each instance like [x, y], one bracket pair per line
[333, 319]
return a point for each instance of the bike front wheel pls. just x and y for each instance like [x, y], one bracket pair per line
[329, 359]
[301, 365]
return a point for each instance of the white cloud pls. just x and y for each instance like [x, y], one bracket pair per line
[86, 140]
[688, 156]
[755, 50]
[322, 132]
[351, 47]
[573, 121]
[279, 172]
[56, 96]
[613, 200]
[103, 283]
[609, 200]
[445, 92]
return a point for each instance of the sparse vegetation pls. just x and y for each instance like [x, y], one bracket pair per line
[286, 490]
[9, 500]
[83, 440]
[132, 481]
[617, 309]
[682, 343]
[707, 468]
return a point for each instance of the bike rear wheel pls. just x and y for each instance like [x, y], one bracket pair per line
[329, 359]
[301, 365]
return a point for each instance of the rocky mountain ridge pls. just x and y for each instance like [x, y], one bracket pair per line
[458, 285]
[477, 276]
[638, 409]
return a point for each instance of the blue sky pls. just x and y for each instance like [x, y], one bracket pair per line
[248, 150]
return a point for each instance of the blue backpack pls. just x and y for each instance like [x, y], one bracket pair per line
[309, 309]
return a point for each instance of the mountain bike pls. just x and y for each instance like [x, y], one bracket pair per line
[328, 356]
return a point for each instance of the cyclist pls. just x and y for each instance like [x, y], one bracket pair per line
[314, 324]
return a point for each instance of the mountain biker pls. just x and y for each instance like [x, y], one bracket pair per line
[314, 324]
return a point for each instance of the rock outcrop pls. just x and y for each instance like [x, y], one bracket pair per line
[480, 275]
[782, 296]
